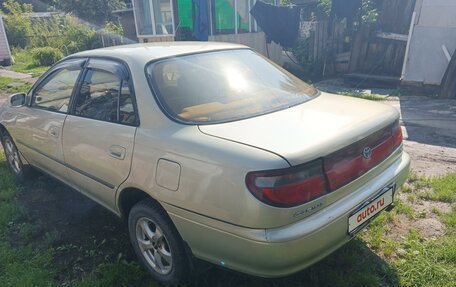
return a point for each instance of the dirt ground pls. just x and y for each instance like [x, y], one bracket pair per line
[13, 75]
[430, 132]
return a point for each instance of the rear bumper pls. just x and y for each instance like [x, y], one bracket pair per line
[285, 250]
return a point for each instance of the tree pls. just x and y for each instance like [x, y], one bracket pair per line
[17, 24]
[93, 11]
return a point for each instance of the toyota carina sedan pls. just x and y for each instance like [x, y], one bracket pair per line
[209, 151]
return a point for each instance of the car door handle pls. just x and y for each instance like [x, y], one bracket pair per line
[117, 152]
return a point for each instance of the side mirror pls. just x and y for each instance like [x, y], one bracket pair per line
[18, 100]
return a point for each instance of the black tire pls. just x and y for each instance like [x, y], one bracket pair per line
[13, 158]
[163, 240]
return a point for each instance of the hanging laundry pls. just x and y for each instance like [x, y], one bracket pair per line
[201, 27]
[280, 23]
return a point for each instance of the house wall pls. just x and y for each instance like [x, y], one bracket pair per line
[5, 53]
[435, 25]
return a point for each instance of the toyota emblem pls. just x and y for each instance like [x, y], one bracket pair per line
[367, 152]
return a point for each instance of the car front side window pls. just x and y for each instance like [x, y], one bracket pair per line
[55, 93]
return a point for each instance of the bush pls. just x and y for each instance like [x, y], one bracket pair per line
[77, 36]
[65, 33]
[47, 56]
[113, 28]
[303, 52]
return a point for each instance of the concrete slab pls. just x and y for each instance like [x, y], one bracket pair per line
[430, 128]
[420, 114]
[14, 75]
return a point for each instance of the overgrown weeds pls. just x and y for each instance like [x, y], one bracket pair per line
[365, 96]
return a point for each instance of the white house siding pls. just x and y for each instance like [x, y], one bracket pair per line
[435, 26]
[5, 53]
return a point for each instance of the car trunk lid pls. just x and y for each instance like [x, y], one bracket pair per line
[312, 130]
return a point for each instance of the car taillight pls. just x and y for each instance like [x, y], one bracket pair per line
[350, 163]
[298, 185]
[288, 187]
[397, 135]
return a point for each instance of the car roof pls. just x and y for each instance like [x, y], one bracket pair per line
[145, 52]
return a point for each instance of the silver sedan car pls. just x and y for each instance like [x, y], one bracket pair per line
[209, 151]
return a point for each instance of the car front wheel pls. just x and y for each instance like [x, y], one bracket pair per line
[157, 243]
[13, 158]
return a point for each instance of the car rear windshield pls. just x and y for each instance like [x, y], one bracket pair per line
[224, 86]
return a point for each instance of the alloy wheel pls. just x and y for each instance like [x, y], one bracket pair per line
[154, 246]
[12, 156]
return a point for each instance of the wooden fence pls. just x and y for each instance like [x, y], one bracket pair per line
[369, 49]
[256, 41]
[108, 40]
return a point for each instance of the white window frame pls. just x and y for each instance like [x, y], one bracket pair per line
[252, 28]
[154, 25]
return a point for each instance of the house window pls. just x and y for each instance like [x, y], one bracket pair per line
[233, 16]
[154, 17]
[242, 16]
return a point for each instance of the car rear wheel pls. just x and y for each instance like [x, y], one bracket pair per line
[13, 158]
[157, 243]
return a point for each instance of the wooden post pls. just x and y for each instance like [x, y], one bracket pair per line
[448, 85]
[356, 50]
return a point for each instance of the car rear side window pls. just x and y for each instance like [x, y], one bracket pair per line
[224, 86]
[55, 93]
[106, 96]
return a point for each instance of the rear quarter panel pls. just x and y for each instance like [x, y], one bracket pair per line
[212, 175]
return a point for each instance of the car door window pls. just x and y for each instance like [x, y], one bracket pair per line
[105, 96]
[97, 98]
[55, 93]
[127, 114]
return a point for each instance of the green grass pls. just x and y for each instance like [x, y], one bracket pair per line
[442, 188]
[21, 265]
[428, 262]
[25, 266]
[420, 261]
[24, 63]
[450, 218]
[28, 259]
[403, 208]
[11, 86]
[114, 274]
[10, 210]
[365, 96]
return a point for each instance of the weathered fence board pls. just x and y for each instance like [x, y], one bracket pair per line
[382, 55]
[377, 49]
